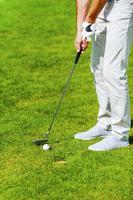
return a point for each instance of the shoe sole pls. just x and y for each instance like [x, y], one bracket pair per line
[109, 149]
[102, 136]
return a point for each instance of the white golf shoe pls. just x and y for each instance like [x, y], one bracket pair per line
[96, 131]
[109, 143]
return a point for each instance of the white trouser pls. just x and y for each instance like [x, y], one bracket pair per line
[110, 52]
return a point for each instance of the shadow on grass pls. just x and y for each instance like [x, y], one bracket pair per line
[131, 137]
[131, 123]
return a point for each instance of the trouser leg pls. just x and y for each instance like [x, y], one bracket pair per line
[97, 58]
[118, 41]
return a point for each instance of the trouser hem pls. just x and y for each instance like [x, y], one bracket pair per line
[123, 136]
[105, 127]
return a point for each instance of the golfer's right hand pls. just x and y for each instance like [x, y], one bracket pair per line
[79, 42]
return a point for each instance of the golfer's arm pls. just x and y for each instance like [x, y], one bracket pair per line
[82, 7]
[95, 9]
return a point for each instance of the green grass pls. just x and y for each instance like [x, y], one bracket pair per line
[36, 56]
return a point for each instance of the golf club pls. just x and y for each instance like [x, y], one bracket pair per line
[45, 140]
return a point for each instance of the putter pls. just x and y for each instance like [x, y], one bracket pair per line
[45, 140]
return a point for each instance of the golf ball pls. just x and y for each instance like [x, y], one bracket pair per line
[46, 147]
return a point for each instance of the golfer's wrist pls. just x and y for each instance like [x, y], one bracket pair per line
[79, 28]
[79, 32]
[90, 20]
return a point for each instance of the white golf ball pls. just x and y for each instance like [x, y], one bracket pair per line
[46, 147]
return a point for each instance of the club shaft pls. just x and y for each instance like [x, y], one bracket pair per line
[62, 97]
[41, 142]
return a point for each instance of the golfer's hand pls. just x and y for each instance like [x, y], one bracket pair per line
[80, 42]
[85, 44]
[87, 31]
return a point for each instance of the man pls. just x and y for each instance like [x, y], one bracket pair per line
[111, 32]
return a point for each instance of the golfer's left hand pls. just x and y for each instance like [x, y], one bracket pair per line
[87, 32]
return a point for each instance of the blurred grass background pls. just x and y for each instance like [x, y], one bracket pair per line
[36, 56]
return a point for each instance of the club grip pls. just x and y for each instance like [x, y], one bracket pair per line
[78, 56]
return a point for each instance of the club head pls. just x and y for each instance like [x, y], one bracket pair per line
[40, 142]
